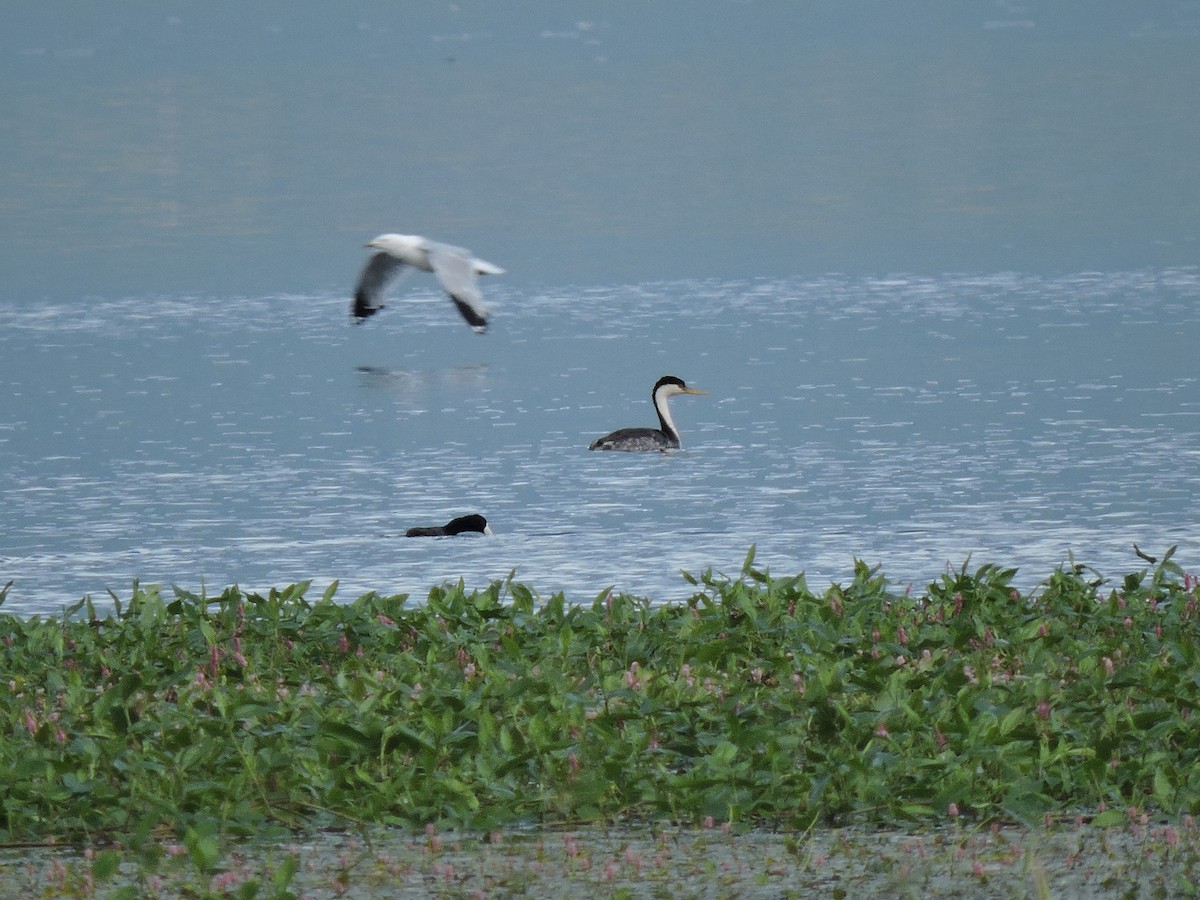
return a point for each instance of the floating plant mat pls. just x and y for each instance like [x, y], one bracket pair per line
[757, 703]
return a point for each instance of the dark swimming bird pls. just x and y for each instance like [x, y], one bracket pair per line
[455, 268]
[461, 525]
[665, 438]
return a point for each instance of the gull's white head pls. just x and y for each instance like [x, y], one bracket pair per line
[397, 244]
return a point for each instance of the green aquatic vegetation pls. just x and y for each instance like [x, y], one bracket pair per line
[757, 701]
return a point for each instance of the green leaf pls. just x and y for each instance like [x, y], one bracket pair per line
[402, 734]
[461, 789]
[1164, 791]
[724, 753]
[206, 629]
[203, 849]
[106, 864]
[1110, 818]
[282, 876]
[1011, 719]
[75, 784]
[348, 736]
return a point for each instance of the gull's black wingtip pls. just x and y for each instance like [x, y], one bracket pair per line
[472, 317]
[362, 308]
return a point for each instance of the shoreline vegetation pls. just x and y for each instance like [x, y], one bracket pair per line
[759, 728]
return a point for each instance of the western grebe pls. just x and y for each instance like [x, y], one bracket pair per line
[461, 525]
[665, 438]
[455, 268]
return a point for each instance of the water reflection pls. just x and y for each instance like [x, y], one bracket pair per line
[383, 378]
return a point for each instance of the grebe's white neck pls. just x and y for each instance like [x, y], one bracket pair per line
[662, 392]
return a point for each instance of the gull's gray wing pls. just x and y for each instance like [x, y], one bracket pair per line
[455, 270]
[377, 274]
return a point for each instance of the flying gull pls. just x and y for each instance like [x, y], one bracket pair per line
[455, 268]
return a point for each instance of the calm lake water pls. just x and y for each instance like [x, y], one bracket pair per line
[936, 268]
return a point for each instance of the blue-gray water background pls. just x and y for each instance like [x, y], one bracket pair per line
[935, 262]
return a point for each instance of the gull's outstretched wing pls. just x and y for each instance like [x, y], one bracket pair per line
[455, 269]
[377, 274]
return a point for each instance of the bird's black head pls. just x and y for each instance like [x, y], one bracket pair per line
[669, 379]
[473, 522]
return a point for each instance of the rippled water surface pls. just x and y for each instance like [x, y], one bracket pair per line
[911, 422]
[186, 189]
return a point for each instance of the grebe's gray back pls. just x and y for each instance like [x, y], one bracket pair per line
[461, 525]
[455, 268]
[643, 439]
